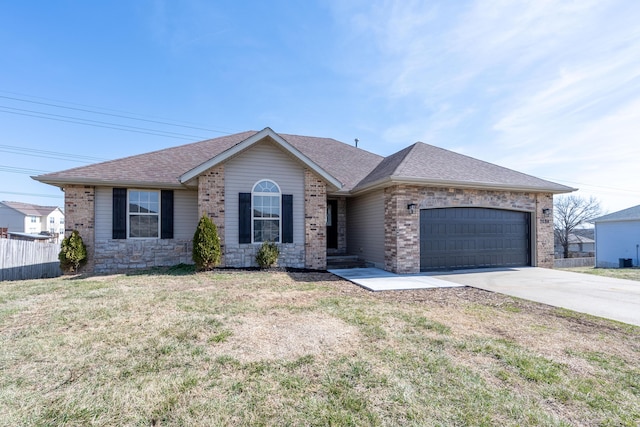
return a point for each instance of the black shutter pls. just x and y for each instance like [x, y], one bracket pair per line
[119, 221]
[166, 214]
[244, 218]
[287, 218]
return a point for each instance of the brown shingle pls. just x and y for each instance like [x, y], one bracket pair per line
[355, 168]
[433, 165]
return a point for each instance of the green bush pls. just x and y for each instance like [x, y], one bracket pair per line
[73, 253]
[267, 254]
[206, 245]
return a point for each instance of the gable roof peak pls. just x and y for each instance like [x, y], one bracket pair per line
[250, 141]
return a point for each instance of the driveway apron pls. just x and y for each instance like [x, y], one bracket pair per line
[607, 297]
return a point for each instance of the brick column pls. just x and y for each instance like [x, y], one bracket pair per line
[544, 231]
[79, 213]
[342, 225]
[211, 201]
[401, 230]
[315, 221]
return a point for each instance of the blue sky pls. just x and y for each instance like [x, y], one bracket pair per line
[549, 88]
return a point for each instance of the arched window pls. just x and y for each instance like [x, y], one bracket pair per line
[266, 205]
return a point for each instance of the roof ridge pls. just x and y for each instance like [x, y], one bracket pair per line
[410, 151]
[284, 135]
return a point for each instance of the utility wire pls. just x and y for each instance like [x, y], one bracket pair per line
[112, 114]
[32, 194]
[23, 150]
[96, 125]
[26, 171]
[97, 122]
[61, 156]
[626, 190]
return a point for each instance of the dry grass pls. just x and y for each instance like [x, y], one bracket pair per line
[253, 348]
[618, 273]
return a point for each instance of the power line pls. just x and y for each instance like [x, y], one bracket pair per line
[23, 150]
[32, 194]
[26, 171]
[61, 156]
[97, 123]
[113, 115]
[625, 190]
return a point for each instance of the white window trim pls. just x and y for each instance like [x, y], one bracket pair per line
[253, 219]
[129, 190]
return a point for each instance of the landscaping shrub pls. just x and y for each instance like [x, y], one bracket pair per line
[73, 253]
[206, 245]
[267, 255]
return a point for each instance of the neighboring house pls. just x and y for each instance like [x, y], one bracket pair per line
[579, 246]
[618, 237]
[24, 219]
[421, 209]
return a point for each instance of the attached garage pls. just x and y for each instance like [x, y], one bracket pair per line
[459, 238]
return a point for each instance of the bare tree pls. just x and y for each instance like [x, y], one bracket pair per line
[569, 212]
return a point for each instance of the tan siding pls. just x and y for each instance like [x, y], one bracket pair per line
[104, 212]
[263, 161]
[185, 218]
[365, 222]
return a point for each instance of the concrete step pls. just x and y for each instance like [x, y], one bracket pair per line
[336, 262]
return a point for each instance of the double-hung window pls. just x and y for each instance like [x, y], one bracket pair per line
[266, 206]
[144, 214]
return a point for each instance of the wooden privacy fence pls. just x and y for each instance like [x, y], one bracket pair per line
[22, 260]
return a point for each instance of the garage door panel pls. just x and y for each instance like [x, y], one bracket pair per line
[455, 238]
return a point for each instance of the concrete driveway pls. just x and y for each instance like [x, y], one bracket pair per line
[615, 299]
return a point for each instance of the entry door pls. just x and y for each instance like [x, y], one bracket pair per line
[332, 224]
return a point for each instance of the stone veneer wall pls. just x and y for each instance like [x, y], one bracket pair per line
[402, 229]
[291, 255]
[121, 255]
[211, 203]
[79, 212]
[315, 221]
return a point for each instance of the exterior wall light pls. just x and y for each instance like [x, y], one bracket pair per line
[412, 208]
[546, 211]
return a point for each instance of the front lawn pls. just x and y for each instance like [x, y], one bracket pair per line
[618, 273]
[276, 348]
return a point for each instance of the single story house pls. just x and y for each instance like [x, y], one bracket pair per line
[421, 209]
[618, 237]
[26, 219]
[580, 245]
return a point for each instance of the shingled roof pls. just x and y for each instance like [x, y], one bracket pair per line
[30, 210]
[432, 165]
[356, 169]
[629, 214]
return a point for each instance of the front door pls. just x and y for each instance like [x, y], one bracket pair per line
[332, 224]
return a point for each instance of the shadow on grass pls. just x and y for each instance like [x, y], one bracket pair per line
[297, 274]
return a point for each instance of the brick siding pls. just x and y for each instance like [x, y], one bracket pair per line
[402, 229]
[79, 210]
[211, 203]
[315, 221]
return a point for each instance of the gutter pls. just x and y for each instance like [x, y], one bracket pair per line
[394, 180]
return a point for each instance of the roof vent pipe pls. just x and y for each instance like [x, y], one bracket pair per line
[356, 140]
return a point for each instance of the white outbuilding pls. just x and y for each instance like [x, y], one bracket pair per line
[617, 237]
